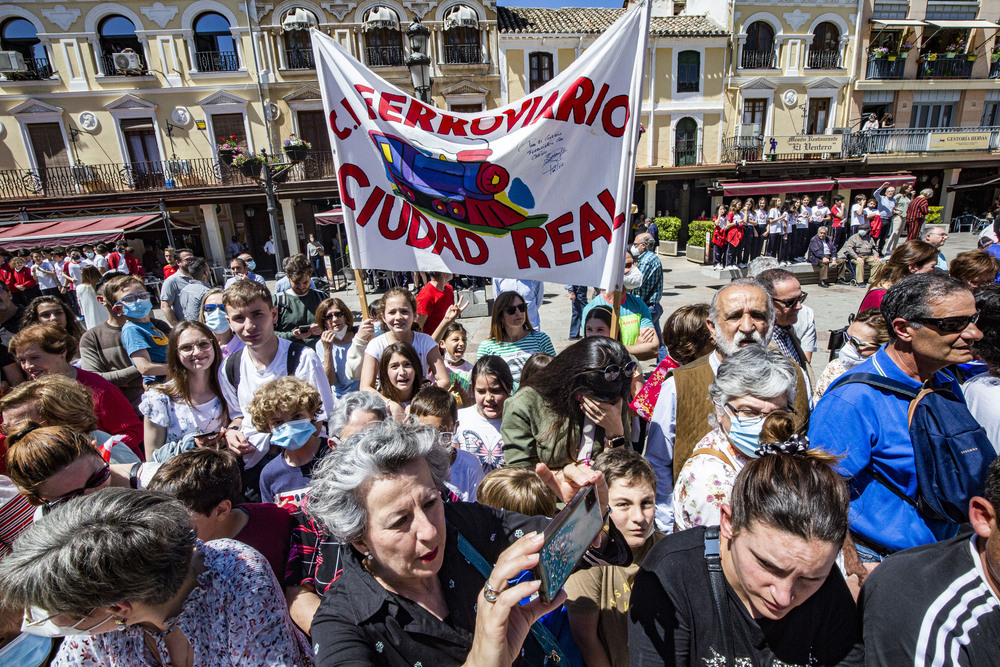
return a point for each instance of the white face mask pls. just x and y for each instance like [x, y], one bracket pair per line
[633, 278]
[49, 628]
[849, 356]
[339, 335]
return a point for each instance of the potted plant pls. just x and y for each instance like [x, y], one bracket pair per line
[248, 164]
[952, 49]
[227, 149]
[995, 54]
[880, 52]
[279, 170]
[669, 229]
[296, 148]
[699, 240]
[905, 48]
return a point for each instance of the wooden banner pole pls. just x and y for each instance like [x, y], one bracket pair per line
[359, 284]
[618, 299]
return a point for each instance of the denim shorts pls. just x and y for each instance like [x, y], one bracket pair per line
[867, 555]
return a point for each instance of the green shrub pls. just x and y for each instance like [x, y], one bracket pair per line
[669, 228]
[697, 230]
[933, 215]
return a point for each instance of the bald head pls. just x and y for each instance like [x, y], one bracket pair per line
[741, 314]
[645, 240]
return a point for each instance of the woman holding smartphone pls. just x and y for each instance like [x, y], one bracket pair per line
[190, 401]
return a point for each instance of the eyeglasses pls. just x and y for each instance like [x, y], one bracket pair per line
[949, 324]
[613, 371]
[445, 438]
[791, 303]
[520, 308]
[212, 307]
[132, 299]
[332, 315]
[202, 345]
[95, 481]
[860, 344]
[748, 416]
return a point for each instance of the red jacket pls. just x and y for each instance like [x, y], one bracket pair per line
[7, 276]
[131, 262]
[23, 277]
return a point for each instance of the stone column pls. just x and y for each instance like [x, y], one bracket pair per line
[292, 234]
[213, 233]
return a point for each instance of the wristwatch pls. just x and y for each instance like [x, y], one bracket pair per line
[617, 441]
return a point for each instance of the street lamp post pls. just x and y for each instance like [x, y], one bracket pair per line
[419, 61]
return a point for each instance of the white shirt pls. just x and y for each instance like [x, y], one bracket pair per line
[310, 369]
[982, 395]
[422, 343]
[269, 247]
[45, 280]
[532, 291]
[464, 476]
[101, 262]
[660, 447]
[857, 215]
[480, 436]
[802, 220]
[777, 225]
[820, 212]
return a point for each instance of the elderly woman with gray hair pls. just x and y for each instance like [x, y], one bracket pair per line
[123, 576]
[749, 386]
[410, 592]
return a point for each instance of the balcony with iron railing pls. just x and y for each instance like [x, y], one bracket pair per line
[35, 69]
[823, 60]
[384, 56]
[463, 54]
[995, 69]
[162, 175]
[759, 59]
[687, 154]
[109, 68]
[945, 66]
[300, 59]
[883, 68]
[217, 61]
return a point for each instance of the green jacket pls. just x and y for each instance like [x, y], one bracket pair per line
[529, 437]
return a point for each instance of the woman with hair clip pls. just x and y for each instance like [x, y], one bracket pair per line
[544, 422]
[190, 401]
[911, 257]
[762, 587]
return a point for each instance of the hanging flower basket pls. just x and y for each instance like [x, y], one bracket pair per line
[950, 54]
[251, 168]
[226, 156]
[280, 175]
[296, 153]
[994, 57]
[903, 54]
[892, 57]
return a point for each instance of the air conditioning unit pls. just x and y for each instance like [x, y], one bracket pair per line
[751, 130]
[12, 61]
[127, 62]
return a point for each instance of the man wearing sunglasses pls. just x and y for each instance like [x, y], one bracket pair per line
[788, 297]
[931, 322]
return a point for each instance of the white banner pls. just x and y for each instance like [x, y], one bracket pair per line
[539, 189]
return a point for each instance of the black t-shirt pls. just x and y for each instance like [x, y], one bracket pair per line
[931, 606]
[673, 619]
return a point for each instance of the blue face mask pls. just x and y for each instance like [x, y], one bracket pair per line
[138, 310]
[217, 321]
[251, 264]
[863, 232]
[745, 437]
[90, 255]
[294, 434]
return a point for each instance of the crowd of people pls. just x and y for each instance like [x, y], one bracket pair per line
[267, 478]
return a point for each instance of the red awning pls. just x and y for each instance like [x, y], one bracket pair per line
[334, 216]
[75, 231]
[777, 187]
[873, 182]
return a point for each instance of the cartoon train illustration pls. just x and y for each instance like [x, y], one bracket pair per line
[468, 192]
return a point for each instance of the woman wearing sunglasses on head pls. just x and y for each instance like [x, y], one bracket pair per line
[190, 401]
[213, 315]
[587, 384]
[865, 335]
[512, 338]
[749, 386]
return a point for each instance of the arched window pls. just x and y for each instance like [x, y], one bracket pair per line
[688, 72]
[20, 35]
[215, 49]
[383, 39]
[758, 50]
[824, 53]
[298, 44]
[686, 142]
[540, 69]
[117, 38]
[461, 37]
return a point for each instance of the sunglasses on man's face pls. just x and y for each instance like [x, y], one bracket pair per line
[95, 481]
[520, 308]
[791, 303]
[949, 324]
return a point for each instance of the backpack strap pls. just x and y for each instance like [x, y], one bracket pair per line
[294, 354]
[542, 635]
[708, 451]
[878, 381]
[232, 368]
[718, 580]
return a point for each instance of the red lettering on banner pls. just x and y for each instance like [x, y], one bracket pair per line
[530, 244]
[453, 125]
[482, 254]
[575, 100]
[592, 227]
[597, 104]
[477, 127]
[383, 220]
[609, 205]
[416, 220]
[619, 101]
[419, 114]
[344, 132]
[370, 206]
[560, 238]
[387, 110]
[365, 92]
[444, 240]
[355, 172]
[514, 116]
[546, 110]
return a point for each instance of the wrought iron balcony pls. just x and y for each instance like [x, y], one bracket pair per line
[384, 56]
[759, 59]
[823, 60]
[163, 175]
[944, 67]
[217, 61]
[687, 154]
[995, 69]
[300, 59]
[109, 68]
[463, 54]
[883, 68]
[36, 69]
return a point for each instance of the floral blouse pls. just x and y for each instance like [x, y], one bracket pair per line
[179, 417]
[705, 483]
[833, 370]
[236, 616]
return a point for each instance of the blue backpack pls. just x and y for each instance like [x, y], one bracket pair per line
[951, 451]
